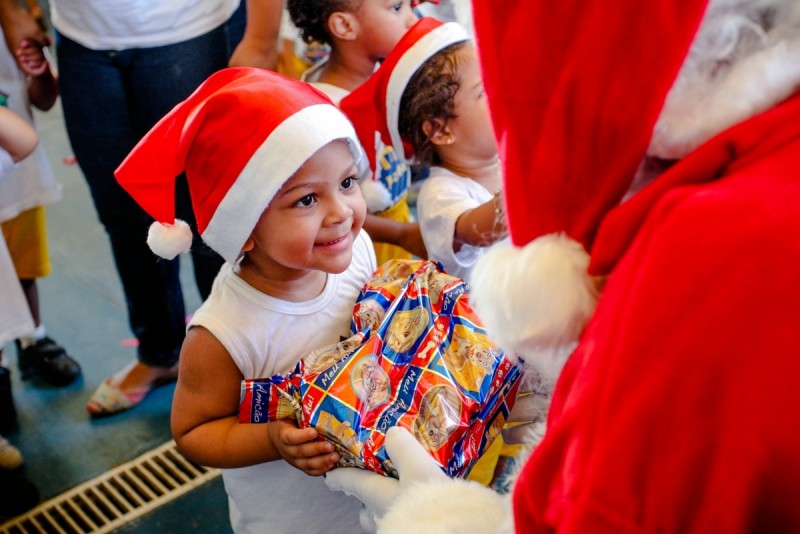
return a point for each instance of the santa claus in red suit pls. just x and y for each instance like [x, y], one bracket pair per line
[651, 152]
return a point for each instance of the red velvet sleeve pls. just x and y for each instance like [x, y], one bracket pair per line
[678, 412]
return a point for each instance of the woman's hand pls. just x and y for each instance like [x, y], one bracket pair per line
[30, 57]
[18, 25]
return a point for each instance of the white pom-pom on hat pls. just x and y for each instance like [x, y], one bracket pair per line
[169, 240]
[535, 299]
[376, 195]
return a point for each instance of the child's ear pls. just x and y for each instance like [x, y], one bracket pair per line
[437, 131]
[249, 244]
[343, 25]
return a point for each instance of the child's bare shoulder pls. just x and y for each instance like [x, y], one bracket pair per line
[201, 344]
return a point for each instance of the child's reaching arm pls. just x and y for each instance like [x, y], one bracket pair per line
[481, 226]
[205, 421]
[402, 234]
[259, 46]
[42, 84]
[17, 137]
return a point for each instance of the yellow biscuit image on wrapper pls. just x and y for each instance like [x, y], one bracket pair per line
[325, 357]
[436, 284]
[439, 416]
[340, 433]
[393, 275]
[470, 357]
[369, 315]
[370, 382]
[405, 328]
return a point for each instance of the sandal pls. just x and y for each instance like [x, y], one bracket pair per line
[109, 399]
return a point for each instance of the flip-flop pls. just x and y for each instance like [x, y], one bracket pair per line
[109, 400]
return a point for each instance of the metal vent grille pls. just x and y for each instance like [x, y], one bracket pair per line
[116, 497]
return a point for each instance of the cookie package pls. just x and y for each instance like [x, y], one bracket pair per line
[419, 358]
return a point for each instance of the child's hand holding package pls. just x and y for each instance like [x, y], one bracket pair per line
[300, 447]
[420, 360]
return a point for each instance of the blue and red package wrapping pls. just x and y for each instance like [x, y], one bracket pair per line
[419, 358]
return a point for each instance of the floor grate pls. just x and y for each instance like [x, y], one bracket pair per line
[116, 497]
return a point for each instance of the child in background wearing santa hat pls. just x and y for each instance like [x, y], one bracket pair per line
[361, 33]
[428, 96]
[444, 116]
[271, 165]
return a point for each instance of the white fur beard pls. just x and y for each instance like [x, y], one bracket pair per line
[744, 60]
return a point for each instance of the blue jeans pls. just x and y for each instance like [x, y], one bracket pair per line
[110, 100]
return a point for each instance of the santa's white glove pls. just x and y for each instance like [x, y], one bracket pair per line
[424, 499]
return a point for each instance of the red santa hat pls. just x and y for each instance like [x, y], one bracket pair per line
[375, 105]
[238, 137]
[570, 146]
[574, 124]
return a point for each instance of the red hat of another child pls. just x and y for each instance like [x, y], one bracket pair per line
[375, 105]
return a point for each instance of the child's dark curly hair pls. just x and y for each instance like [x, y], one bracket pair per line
[430, 96]
[311, 16]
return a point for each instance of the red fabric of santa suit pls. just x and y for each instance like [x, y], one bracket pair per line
[680, 409]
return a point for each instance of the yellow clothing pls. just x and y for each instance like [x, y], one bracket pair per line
[483, 470]
[399, 212]
[289, 63]
[511, 449]
[26, 238]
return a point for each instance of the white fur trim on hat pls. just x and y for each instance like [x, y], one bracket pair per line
[409, 63]
[169, 240]
[281, 154]
[535, 300]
